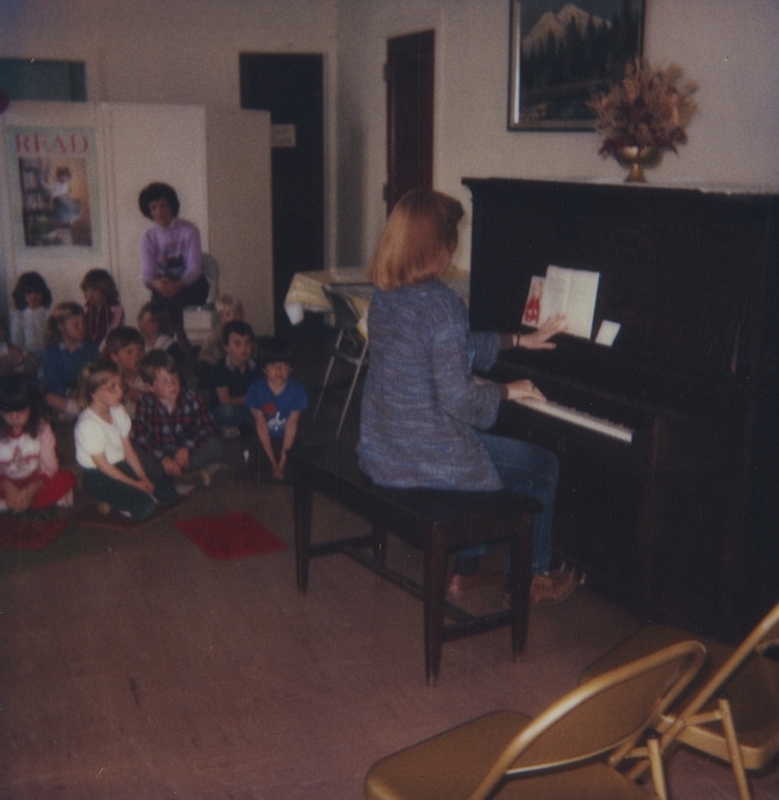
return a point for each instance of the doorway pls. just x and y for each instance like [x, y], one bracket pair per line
[290, 87]
[410, 80]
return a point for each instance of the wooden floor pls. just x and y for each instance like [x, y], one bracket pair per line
[134, 666]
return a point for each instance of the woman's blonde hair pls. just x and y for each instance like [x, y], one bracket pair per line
[418, 240]
[92, 376]
[61, 312]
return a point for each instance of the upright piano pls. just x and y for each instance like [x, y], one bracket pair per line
[669, 499]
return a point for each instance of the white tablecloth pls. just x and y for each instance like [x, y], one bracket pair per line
[305, 292]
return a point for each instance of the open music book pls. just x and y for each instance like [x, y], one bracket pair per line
[571, 292]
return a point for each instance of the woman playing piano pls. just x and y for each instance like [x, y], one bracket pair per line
[423, 413]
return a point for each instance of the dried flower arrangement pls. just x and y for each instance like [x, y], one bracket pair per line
[648, 108]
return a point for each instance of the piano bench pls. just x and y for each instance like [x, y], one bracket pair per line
[438, 522]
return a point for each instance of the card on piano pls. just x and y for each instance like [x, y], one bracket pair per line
[532, 311]
[570, 292]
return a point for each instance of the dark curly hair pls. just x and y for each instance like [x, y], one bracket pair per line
[30, 283]
[17, 392]
[158, 191]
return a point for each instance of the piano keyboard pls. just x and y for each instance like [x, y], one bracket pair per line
[580, 418]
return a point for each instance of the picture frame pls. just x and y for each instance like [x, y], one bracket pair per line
[562, 53]
[54, 190]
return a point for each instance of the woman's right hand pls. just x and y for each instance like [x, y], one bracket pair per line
[523, 390]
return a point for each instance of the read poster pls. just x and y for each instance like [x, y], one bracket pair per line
[53, 175]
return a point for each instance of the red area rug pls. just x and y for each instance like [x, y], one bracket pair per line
[30, 534]
[233, 535]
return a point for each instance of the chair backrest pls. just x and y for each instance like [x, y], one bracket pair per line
[607, 714]
[346, 315]
[764, 635]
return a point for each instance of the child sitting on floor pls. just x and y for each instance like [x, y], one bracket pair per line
[67, 351]
[32, 300]
[231, 378]
[113, 475]
[157, 330]
[102, 309]
[30, 477]
[172, 430]
[124, 347]
[276, 401]
[228, 309]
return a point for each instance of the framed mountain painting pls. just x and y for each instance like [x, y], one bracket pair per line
[562, 53]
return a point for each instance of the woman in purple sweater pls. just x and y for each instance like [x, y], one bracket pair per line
[423, 413]
[170, 253]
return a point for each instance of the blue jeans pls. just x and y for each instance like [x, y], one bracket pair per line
[211, 451]
[106, 489]
[530, 470]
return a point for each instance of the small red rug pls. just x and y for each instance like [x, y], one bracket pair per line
[30, 534]
[233, 535]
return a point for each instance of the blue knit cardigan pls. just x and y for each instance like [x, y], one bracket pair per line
[420, 403]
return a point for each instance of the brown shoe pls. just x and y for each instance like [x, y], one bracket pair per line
[552, 587]
[459, 584]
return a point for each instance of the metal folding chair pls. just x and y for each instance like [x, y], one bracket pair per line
[570, 750]
[351, 347]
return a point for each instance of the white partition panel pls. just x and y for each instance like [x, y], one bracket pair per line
[239, 207]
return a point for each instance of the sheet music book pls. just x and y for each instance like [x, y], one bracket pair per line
[571, 292]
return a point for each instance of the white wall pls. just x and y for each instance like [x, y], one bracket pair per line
[186, 51]
[730, 48]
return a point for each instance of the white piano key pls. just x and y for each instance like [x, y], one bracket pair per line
[580, 418]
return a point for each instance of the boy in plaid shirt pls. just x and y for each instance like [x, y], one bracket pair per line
[172, 431]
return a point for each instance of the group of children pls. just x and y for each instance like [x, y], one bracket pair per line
[138, 429]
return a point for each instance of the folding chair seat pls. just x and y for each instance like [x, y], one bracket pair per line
[351, 347]
[732, 711]
[508, 755]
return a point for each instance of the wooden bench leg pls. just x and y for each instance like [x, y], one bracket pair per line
[303, 499]
[520, 578]
[434, 591]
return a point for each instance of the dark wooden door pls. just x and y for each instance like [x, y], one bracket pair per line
[410, 80]
[290, 87]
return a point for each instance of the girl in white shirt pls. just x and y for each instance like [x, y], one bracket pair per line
[32, 302]
[113, 475]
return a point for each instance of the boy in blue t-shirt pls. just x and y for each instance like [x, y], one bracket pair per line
[276, 402]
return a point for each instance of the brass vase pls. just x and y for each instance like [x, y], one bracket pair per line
[637, 158]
